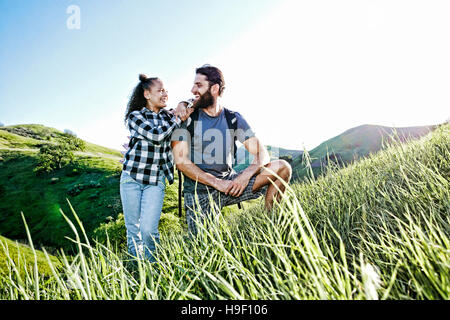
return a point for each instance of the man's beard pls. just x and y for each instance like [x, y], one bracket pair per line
[205, 100]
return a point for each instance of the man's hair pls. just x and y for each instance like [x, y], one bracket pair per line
[213, 75]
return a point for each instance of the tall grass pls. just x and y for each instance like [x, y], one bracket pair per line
[375, 230]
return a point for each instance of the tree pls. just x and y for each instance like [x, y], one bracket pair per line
[55, 156]
[73, 142]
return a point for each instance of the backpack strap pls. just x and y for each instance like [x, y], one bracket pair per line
[194, 118]
[232, 124]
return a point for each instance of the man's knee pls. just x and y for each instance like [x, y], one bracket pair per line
[285, 169]
[282, 168]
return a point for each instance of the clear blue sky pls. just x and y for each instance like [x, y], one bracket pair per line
[300, 71]
[59, 77]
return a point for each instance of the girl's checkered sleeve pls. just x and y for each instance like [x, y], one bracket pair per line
[150, 131]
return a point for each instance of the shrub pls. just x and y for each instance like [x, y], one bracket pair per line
[73, 142]
[55, 156]
[114, 230]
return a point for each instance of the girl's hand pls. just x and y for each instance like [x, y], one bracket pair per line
[182, 112]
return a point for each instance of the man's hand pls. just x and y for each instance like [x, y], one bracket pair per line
[222, 185]
[238, 185]
[182, 112]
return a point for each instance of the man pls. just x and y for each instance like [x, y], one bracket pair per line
[205, 159]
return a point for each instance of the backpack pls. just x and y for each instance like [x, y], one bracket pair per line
[232, 124]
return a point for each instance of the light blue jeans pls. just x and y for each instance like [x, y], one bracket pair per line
[142, 205]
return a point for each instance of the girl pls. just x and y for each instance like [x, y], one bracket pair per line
[148, 162]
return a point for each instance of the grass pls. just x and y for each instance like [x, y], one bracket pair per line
[352, 145]
[377, 229]
[91, 184]
[17, 257]
[11, 140]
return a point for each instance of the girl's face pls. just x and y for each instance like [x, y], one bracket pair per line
[157, 96]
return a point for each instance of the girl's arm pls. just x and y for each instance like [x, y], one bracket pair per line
[151, 132]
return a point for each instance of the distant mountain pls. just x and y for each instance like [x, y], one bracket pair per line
[354, 144]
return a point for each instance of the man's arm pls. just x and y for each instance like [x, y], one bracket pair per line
[261, 158]
[180, 150]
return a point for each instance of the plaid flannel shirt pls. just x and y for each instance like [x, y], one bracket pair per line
[151, 153]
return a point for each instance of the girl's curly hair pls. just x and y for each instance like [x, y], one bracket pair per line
[137, 100]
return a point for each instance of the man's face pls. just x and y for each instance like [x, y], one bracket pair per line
[202, 92]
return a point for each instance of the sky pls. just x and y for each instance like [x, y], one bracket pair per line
[300, 72]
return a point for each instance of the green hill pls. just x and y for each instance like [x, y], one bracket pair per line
[32, 136]
[21, 255]
[91, 184]
[377, 229]
[354, 144]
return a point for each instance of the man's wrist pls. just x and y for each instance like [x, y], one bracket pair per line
[249, 172]
[215, 183]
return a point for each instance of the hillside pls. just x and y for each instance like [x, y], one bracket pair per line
[377, 229]
[354, 144]
[22, 254]
[91, 184]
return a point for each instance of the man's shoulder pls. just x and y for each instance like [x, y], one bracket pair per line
[201, 115]
[233, 113]
[239, 119]
[229, 110]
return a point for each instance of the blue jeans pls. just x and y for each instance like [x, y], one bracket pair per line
[142, 205]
